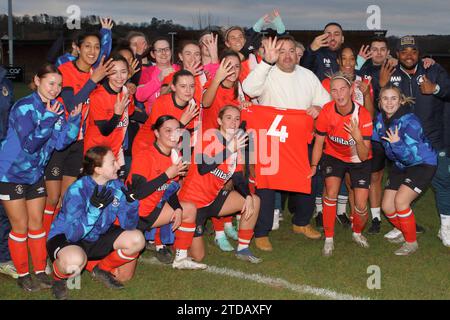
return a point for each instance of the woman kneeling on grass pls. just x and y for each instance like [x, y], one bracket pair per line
[204, 185]
[415, 161]
[85, 229]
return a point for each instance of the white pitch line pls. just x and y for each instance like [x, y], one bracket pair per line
[273, 282]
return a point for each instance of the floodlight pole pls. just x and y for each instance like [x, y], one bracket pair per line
[10, 32]
[172, 34]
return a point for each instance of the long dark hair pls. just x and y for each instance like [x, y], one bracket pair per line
[231, 53]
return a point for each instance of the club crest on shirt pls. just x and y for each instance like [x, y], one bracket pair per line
[5, 91]
[327, 62]
[19, 189]
[420, 79]
[115, 202]
[55, 171]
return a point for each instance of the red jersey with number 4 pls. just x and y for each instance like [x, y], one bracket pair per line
[202, 190]
[76, 79]
[102, 103]
[339, 143]
[150, 164]
[280, 147]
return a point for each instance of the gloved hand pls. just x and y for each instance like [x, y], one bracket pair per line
[101, 199]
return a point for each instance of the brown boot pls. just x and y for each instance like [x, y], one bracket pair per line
[263, 244]
[308, 231]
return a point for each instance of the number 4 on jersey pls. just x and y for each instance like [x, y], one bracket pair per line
[282, 134]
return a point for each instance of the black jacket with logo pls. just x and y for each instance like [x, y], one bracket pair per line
[430, 109]
[322, 62]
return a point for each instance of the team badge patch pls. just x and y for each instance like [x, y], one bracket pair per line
[199, 230]
[328, 170]
[19, 189]
[115, 202]
[55, 171]
[5, 91]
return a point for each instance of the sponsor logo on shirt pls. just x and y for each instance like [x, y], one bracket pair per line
[327, 62]
[395, 80]
[221, 175]
[361, 182]
[350, 142]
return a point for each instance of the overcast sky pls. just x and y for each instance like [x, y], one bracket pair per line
[398, 17]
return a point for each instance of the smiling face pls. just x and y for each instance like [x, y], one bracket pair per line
[119, 75]
[390, 102]
[189, 54]
[109, 168]
[184, 89]
[287, 59]
[408, 58]
[236, 64]
[161, 52]
[235, 40]
[230, 121]
[49, 86]
[89, 50]
[347, 62]
[168, 135]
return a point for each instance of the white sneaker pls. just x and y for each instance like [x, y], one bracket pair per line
[9, 269]
[407, 248]
[188, 264]
[276, 219]
[328, 248]
[360, 240]
[444, 235]
[399, 239]
[394, 233]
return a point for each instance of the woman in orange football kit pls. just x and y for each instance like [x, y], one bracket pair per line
[189, 157]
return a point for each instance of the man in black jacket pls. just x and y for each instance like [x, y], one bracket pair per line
[321, 56]
[431, 90]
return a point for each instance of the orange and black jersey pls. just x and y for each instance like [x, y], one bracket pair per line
[152, 164]
[76, 88]
[214, 166]
[339, 143]
[164, 105]
[224, 96]
[104, 127]
[198, 86]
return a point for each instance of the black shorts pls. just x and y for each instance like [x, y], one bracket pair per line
[418, 178]
[94, 250]
[15, 191]
[359, 172]
[209, 211]
[146, 223]
[378, 161]
[68, 162]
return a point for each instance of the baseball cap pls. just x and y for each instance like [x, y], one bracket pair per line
[407, 42]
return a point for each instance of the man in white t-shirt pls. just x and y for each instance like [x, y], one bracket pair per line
[280, 82]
